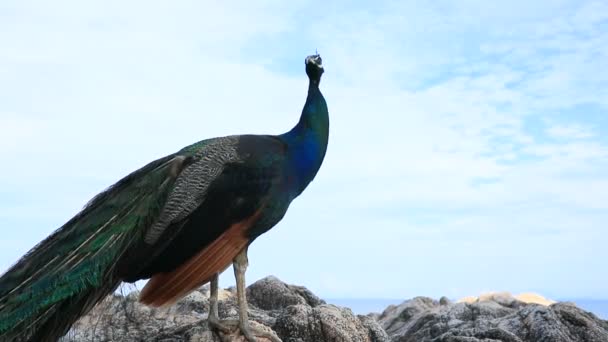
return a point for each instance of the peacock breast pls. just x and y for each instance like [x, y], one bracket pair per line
[273, 212]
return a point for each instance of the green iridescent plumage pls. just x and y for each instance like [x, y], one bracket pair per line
[80, 255]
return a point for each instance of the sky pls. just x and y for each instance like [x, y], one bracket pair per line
[468, 143]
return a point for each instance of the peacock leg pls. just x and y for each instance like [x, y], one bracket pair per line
[215, 324]
[240, 266]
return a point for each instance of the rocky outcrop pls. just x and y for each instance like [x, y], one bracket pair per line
[293, 312]
[491, 318]
[297, 315]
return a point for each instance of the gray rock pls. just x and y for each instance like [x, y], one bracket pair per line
[272, 294]
[294, 312]
[297, 315]
[326, 322]
[501, 319]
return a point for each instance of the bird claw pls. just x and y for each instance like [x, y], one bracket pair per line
[252, 332]
[228, 329]
[226, 326]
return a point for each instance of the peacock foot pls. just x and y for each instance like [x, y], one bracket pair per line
[230, 330]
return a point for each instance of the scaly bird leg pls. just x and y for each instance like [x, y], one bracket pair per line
[213, 319]
[215, 325]
[240, 266]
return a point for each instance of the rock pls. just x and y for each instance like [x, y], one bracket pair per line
[444, 301]
[297, 315]
[293, 312]
[395, 318]
[302, 323]
[272, 294]
[491, 318]
[506, 297]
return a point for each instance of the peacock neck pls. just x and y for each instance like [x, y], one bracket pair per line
[307, 140]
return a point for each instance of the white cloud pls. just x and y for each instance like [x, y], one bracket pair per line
[570, 131]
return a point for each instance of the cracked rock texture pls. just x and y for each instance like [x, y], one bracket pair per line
[496, 318]
[293, 312]
[297, 315]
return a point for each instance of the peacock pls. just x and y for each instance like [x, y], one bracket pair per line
[178, 221]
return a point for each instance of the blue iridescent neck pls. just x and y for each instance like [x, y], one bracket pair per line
[307, 141]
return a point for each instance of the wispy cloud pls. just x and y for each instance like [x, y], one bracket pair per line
[561, 131]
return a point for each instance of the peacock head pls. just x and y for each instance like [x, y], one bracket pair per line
[314, 67]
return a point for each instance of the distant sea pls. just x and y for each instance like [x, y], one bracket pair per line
[365, 306]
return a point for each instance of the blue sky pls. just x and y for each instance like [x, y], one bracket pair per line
[468, 148]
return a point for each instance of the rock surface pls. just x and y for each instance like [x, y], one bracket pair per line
[491, 318]
[293, 312]
[530, 298]
[297, 315]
